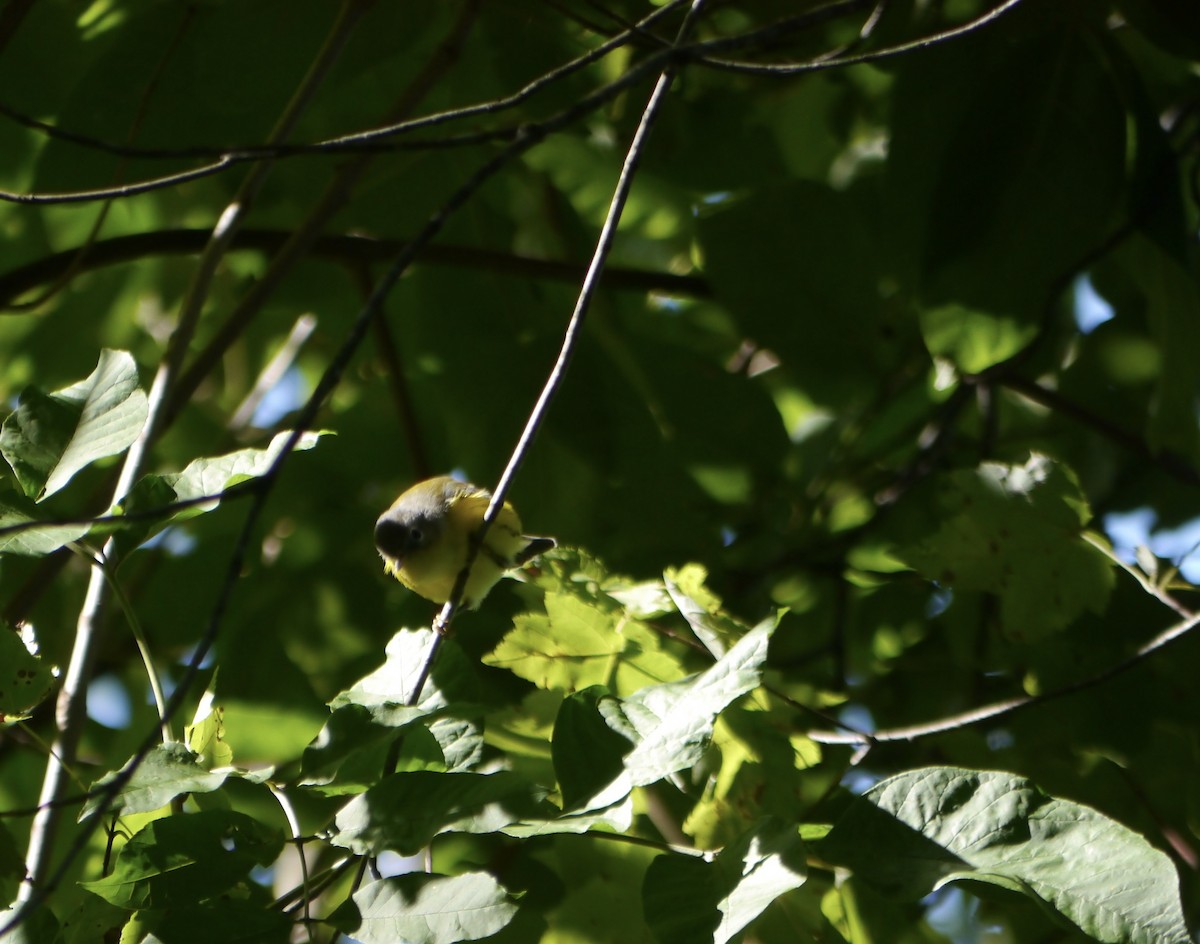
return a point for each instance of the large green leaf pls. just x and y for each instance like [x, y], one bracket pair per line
[51, 436]
[674, 721]
[168, 771]
[989, 160]
[404, 811]
[582, 641]
[427, 909]
[917, 831]
[1014, 530]
[690, 899]
[28, 537]
[200, 478]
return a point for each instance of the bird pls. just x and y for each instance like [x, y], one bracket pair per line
[425, 535]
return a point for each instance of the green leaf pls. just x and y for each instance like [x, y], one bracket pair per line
[763, 864]
[50, 437]
[36, 541]
[404, 811]
[701, 608]
[168, 771]
[679, 897]
[589, 750]
[581, 642]
[91, 921]
[1014, 530]
[205, 736]
[690, 899]
[973, 340]
[798, 268]
[187, 858]
[674, 721]
[988, 160]
[426, 909]
[917, 831]
[229, 919]
[24, 677]
[385, 691]
[199, 478]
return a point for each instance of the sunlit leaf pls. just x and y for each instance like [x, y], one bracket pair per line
[427, 909]
[917, 831]
[168, 771]
[50, 437]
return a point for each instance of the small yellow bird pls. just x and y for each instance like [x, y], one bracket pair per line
[423, 539]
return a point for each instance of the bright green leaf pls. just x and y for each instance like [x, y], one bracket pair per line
[674, 721]
[917, 831]
[577, 644]
[50, 437]
[168, 771]
[973, 340]
[763, 864]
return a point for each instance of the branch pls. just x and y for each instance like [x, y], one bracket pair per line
[1003, 708]
[348, 249]
[1169, 462]
[889, 52]
[571, 336]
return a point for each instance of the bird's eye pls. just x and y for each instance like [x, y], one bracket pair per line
[415, 537]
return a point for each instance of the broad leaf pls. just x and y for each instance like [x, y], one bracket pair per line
[674, 721]
[51, 436]
[168, 771]
[200, 478]
[1014, 530]
[580, 642]
[426, 909]
[404, 811]
[917, 831]
[28, 537]
[691, 899]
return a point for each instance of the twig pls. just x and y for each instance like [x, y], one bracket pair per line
[368, 141]
[1002, 708]
[1172, 464]
[667, 59]
[289, 813]
[822, 63]
[571, 336]
[349, 249]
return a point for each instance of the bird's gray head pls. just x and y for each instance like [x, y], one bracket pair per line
[413, 523]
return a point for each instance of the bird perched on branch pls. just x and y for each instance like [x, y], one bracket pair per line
[425, 536]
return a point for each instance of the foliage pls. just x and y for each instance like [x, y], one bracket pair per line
[845, 638]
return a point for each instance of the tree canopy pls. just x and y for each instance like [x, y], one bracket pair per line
[848, 349]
